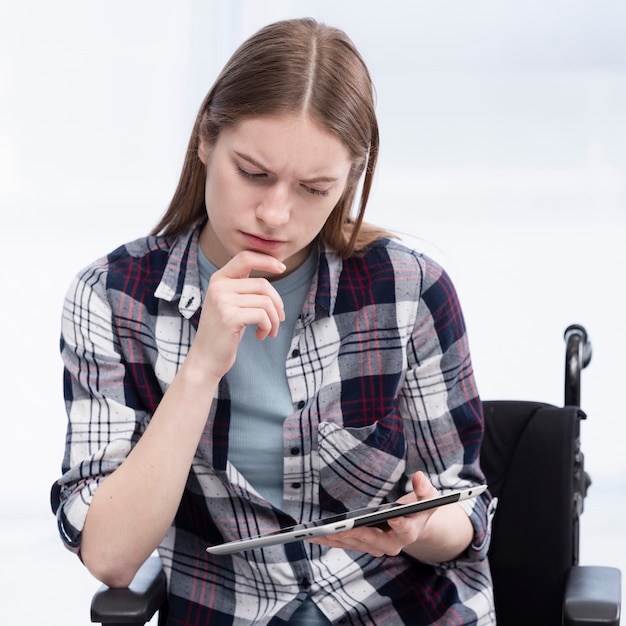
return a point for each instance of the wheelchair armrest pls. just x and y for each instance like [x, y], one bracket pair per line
[135, 604]
[592, 596]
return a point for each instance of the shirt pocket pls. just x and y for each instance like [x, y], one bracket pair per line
[362, 466]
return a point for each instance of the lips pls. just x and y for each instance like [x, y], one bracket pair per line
[262, 243]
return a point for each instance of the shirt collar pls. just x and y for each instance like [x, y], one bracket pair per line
[181, 278]
[323, 293]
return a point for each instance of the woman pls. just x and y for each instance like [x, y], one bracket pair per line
[264, 359]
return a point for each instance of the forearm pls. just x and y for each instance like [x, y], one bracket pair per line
[133, 508]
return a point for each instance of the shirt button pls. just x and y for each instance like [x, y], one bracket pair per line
[295, 450]
[306, 583]
[295, 353]
[296, 485]
[301, 404]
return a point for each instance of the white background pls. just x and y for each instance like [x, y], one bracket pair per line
[503, 156]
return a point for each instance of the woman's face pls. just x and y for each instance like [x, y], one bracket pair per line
[271, 184]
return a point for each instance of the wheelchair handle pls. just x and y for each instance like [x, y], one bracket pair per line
[577, 357]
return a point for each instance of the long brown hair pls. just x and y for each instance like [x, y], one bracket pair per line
[291, 66]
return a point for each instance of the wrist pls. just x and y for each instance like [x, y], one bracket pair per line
[199, 371]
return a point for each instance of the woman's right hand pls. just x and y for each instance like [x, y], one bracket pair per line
[236, 299]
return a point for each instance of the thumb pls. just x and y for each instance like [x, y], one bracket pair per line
[422, 487]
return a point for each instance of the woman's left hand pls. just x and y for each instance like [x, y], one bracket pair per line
[433, 535]
[397, 533]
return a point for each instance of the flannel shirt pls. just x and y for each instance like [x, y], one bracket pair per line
[382, 386]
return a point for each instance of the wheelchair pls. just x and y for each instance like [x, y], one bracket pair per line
[534, 465]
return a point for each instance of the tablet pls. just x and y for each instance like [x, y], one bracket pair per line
[344, 521]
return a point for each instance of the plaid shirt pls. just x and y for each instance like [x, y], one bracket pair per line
[382, 385]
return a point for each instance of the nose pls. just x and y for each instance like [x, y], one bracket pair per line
[274, 206]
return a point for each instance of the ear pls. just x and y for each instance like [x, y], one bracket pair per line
[203, 151]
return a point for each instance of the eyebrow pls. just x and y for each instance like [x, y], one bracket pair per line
[309, 181]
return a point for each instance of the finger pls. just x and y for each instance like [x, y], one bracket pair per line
[405, 526]
[422, 487]
[251, 309]
[247, 261]
[265, 322]
[259, 292]
[240, 267]
[373, 541]
[230, 295]
[406, 529]
[269, 309]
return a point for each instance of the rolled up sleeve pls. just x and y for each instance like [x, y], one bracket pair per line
[102, 425]
[441, 405]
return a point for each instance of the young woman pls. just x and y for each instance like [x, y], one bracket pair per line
[265, 358]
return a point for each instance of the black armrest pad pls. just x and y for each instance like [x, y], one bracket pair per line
[137, 603]
[592, 596]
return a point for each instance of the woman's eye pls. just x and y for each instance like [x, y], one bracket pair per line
[261, 176]
[316, 192]
[251, 175]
